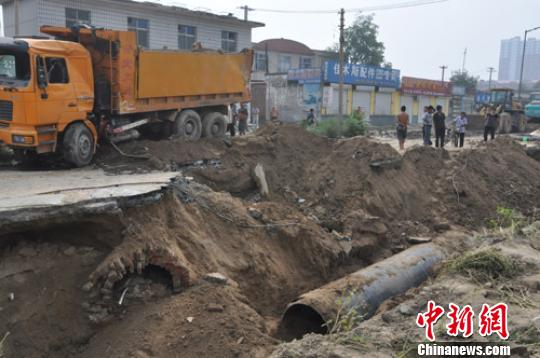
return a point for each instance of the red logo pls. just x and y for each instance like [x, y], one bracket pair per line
[461, 320]
[429, 318]
[492, 319]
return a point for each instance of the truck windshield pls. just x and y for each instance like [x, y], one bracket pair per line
[498, 97]
[14, 68]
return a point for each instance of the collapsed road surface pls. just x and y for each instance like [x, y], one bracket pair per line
[199, 263]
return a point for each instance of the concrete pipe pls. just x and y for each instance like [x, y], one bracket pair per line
[367, 288]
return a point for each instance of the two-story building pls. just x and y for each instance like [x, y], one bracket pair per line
[157, 26]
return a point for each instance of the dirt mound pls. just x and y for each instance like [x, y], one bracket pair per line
[169, 154]
[346, 181]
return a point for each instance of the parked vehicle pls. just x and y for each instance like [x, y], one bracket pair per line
[532, 110]
[65, 94]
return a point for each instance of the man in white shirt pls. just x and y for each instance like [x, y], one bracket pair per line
[461, 122]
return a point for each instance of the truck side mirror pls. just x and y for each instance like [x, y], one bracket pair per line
[41, 74]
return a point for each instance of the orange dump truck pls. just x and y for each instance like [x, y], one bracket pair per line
[63, 95]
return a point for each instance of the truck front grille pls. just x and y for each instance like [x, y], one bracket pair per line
[6, 110]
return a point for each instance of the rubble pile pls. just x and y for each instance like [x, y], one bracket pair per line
[208, 267]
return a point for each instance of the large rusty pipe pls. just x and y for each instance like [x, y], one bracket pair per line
[366, 289]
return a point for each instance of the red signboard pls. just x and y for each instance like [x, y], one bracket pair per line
[423, 87]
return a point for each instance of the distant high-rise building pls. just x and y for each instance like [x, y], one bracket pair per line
[510, 60]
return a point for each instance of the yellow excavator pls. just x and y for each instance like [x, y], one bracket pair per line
[511, 114]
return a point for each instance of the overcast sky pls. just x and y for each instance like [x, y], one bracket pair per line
[418, 40]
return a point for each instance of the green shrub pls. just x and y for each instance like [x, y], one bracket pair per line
[336, 128]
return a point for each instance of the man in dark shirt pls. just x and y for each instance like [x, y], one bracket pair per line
[491, 124]
[440, 126]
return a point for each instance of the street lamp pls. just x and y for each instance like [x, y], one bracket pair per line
[523, 59]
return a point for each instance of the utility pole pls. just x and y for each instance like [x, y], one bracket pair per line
[246, 9]
[443, 68]
[464, 59]
[16, 6]
[341, 58]
[523, 60]
[490, 70]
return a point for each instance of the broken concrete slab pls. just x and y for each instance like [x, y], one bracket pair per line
[32, 200]
[260, 179]
[418, 240]
[64, 187]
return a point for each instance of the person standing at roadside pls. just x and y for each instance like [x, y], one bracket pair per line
[242, 120]
[440, 126]
[311, 118]
[255, 117]
[274, 114]
[427, 123]
[233, 118]
[490, 124]
[402, 124]
[461, 122]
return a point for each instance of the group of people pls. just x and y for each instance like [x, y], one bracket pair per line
[240, 118]
[434, 118]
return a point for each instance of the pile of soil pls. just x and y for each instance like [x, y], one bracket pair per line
[334, 207]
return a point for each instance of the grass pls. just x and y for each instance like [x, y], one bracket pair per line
[343, 329]
[507, 218]
[487, 264]
[336, 128]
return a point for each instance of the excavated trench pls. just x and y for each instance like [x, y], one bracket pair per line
[223, 273]
[84, 271]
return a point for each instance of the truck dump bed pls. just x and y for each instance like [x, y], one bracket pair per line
[133, 80]
[190, 73]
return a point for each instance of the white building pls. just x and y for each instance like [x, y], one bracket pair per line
[510, 60]
[157, 26]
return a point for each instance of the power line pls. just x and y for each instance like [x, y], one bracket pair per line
[368, 8]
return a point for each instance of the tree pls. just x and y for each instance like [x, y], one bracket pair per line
[462, 78]
[536, 86]
[361, 44]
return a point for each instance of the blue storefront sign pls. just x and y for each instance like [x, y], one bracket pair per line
[482, 97]
[304, 75]
[363, 75]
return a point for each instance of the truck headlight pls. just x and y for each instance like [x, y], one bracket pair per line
[22, 139]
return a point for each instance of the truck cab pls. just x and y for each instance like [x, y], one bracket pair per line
[532, 110]
[46, 94]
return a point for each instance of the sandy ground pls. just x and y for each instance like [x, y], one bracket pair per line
[136, 283]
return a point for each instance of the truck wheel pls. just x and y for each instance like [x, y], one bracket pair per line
[188, 125]
[214, 125]
[78, 145]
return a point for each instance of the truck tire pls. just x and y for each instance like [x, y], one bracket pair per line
[78, 145]
[188, 125]
[214, 125]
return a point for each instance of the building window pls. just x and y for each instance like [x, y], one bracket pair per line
[305, 62]
[76, 16]
[229, 41]
[141, 27]
[260, 62]
[284, 64]
[186, 37]
[57, 71]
